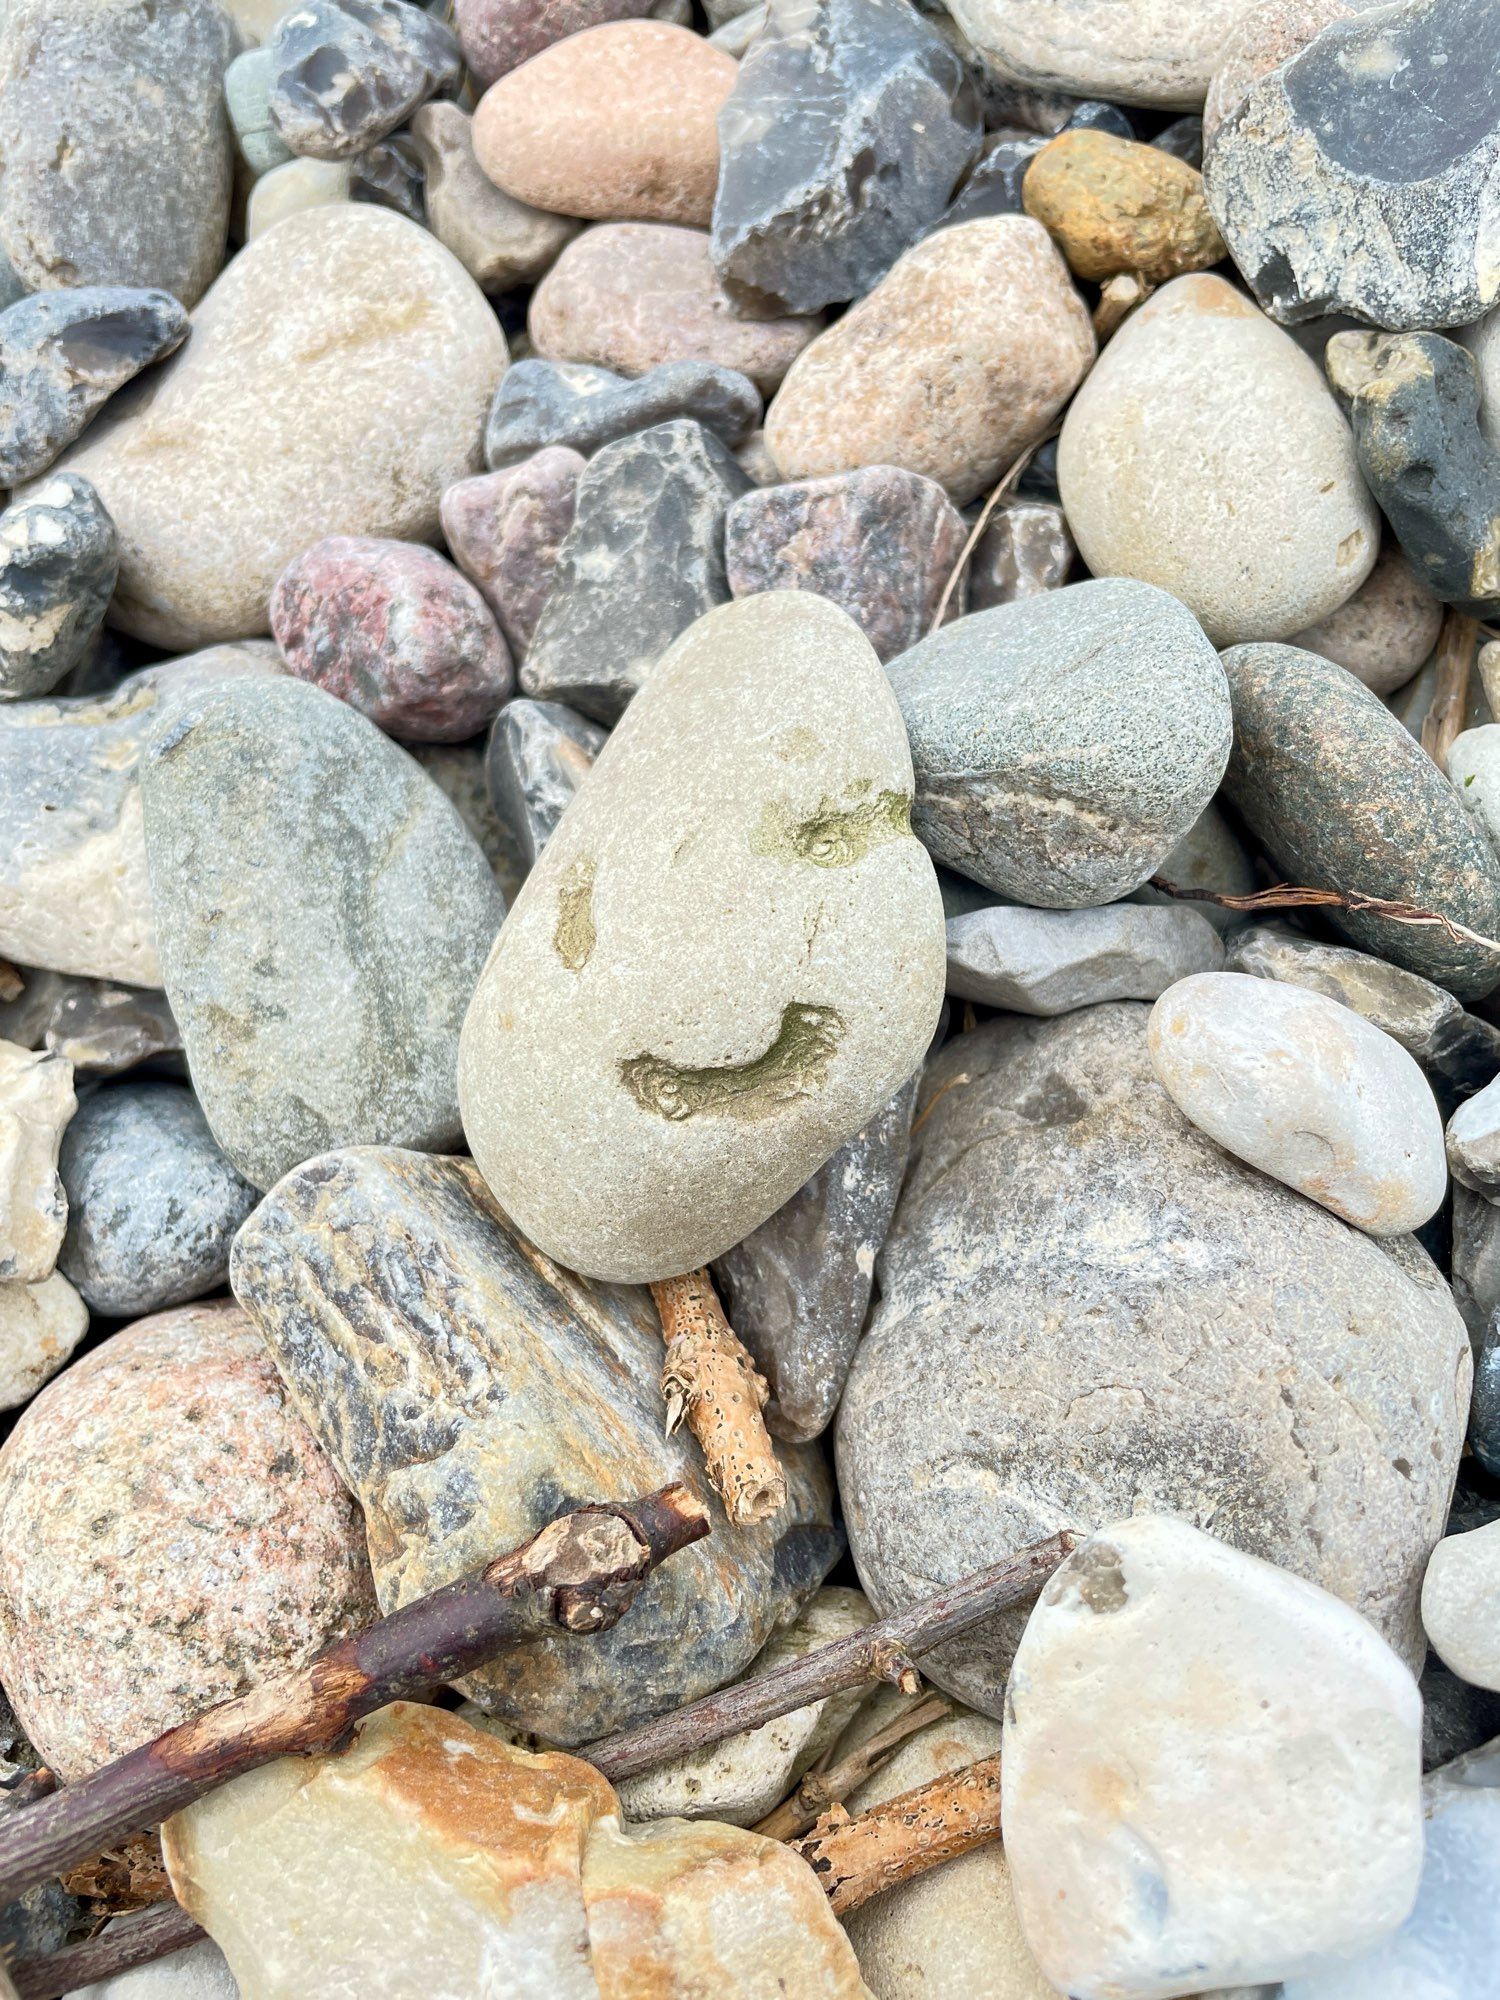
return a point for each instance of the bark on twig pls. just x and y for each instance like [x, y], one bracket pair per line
[133, 1941]
[711, 1380]
[1444, 719]
[1286, 896]
[819, 1789]
[855, 1859]
[1007, 479]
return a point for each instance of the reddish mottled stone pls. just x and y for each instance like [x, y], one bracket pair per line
[171, 1534]
[396, 632]
[505, 530]
[880, 543]
[498, 35]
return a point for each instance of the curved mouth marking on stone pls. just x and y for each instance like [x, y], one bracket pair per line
[575, 937]
[795, 1065]
[834, 835]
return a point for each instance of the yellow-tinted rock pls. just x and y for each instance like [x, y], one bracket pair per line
[1112, 205]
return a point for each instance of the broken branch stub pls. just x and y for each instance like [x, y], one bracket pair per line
[710, 1380]
[857, 1858]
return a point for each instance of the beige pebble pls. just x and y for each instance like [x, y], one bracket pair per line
[40, 1325]
[1261, 40]
[499, 242]
[1385, 630]
[1461, 1604]
[36, 1102]
[292, 187]
[1158, 52]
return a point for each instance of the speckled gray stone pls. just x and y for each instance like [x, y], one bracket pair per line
[1055, 961]
[539, 753]
[798, 1288]
[542, 403]
[59, 557]
[152, 1203]
[1063, 745]
[542, 1392]
[344, 73]
[322, 915]
[1089, 1310]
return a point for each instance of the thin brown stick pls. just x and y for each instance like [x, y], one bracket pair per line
[133, 1941]
[1288, 897]
[578, 1575]
[1006, 481]
[711, 1380]
[1444, 719]
[855, 1859]
[818, 1790]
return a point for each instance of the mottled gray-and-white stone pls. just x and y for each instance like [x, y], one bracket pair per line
[59, 557]
[542, 403]
[344, 73]
[1054, 961]
[1461, 1604]
[539, 753]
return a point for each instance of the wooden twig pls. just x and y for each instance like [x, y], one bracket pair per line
[1007, 479]
[1450, 695]
[711, 1380]
[1285, 896]
[857, 1858]
[578, 1575]
[817, 1790]
[132, 1941]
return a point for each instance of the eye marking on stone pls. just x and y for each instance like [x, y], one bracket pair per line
[795, 1065]
[836, 834]
[574, 938]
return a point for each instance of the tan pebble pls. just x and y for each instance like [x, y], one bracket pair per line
[499, 242]
[40, 1325]
[1386, 629]
[1112, 206]
[36, 1102]
[292, 187]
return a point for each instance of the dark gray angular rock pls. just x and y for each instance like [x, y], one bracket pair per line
[99, 1027]
[1183, 139]
[1484, 1416]
[1456, 1717]
[1341, 797]
[322, 915]
[798, 1288]
[1414, 406]
[152, 1203]
[643, 559]
[539, 753]
[59, 556]
[879, 542]
[994, 187]
[468, 1390]
[390, 174]
[1025, 549]
[542, 403]
[1474, 1263]
[848, 128]
[63, 354]
[347, 72]
[1362, 176]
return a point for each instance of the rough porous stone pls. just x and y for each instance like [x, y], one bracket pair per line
[1160, 1672]
[64, 354]
[847, 130]
[344, 73]
[1341, 797]
[1153, 52]
[797, 1289]
[1206, 454]
[499, 35]
[200, 1542]
[1063, 745]
[36, 1102]
[500, 243]
[616, 124]
[538, 754]
[957, 360]
[547, 404]
[880, 543]
[1027, 548]
[1266, 35]
[1362, 175]
[322, 914]
[749, 812]
[59, 557]
[152, 1203]
[1112, 205]
[91, 1023]
[630, 295]
[1384, 632]
[40, 1325]
[396, 632]
[115, 147]
[1303, 1389]
[1461, 1604]
[1305, 1089]
[642, 560]
[1054, 961]
[542, 1391]
[506, 531]
[335, 382]
[1473, 1141]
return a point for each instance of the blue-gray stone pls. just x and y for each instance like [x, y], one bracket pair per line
[59, 557]
[347, 72]
[539, 753]
[247, 95]
[541, 403]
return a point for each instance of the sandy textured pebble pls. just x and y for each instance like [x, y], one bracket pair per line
[40, 1325]
[544, 1388]
[36, 1102]
[500, 242]
[1156, 52]
[1053, 961]
[1384, 632]
[198, 1973]
[197, 1543]
[538, 755]
[750, 811]
[1461, 1604]
[957, 360]
[1305, 1089]
[1027, 548]
[616, 124]
[506, 531]
[498, 35]
[1266, 35]
[116, 148]
[1304, 1391]
[1160, 1672]
[335, 382]
[1112, 205]
[628, 295]
[344, 73]
[59, 557]
[1240, 492]
[542, 404]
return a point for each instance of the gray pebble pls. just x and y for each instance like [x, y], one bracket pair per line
[59, 557]
[538, 755]
[247, 95]
[347, 72]
[1025, 550]
[541, 403]
[1475, 1264]
[98, 1026]
[1055, 961]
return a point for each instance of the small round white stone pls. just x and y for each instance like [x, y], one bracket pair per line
[1461, 1604]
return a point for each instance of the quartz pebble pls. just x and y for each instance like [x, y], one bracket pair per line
[1112, 205]
[506, 531]
[344, 73]
[500, 242]
[40, 1325]
[545, 404]
[1053, 961]
[1384, 632]
[59, 557]
[538, 755]
[36, 1102]
[1461, 1604]
[1027, 548]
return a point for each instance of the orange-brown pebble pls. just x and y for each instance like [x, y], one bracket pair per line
[1112, 205]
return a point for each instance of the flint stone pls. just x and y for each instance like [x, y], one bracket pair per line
[1112, 205]
[59, 557]
[40, 1325]
[643, 559]
[797, 1289]
[1305, 1388]
[1384, 632]
[539, 753]
[73, 889]
[200, 1544]
[1484, 1415]
[1341, 797]
[1054, 961]
[347, 72]
[98, 1027]
[631, 295]
[1461, 1604]
[506, 531]
[1063, 745]
[36, 1102]
[750, 811]
[63, 354]
[500, 243]
[390, 173]
[152, 1203]
[546, 404]
[1158, 1670]
[1026, 549]
[499, 35]
[1473, 1142]
[542, 1393]
[960, 357]
[247, 98]
[115, 144]
[1266, 35]
[313, 891]
[336, 381]
[294, 187]
[880, 543]
[847, 130]
[1159, 53]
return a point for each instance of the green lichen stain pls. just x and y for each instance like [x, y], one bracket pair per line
[795, 1065]
[836, 835]
[574, 937]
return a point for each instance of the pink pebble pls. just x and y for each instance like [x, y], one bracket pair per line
[505, 530]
